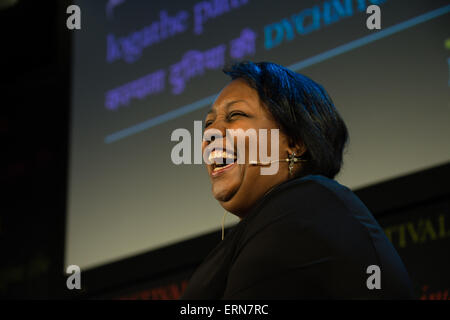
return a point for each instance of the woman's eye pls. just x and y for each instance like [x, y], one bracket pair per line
[231, 115]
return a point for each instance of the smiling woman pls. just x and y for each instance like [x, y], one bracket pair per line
[301, 234]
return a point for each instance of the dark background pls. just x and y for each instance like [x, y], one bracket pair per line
[34, 111]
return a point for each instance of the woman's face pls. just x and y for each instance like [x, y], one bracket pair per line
[238, 187]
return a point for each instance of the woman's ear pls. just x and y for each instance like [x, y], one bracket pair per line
[298, 147]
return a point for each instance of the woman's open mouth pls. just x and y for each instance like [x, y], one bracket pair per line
[221, 161]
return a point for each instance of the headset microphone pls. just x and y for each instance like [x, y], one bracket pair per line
[291, 160]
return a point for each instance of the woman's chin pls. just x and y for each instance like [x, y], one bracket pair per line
[222, 192]
[228, 190]
[225, 186]
[231, 201]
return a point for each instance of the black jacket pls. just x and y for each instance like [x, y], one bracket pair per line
[308, 238]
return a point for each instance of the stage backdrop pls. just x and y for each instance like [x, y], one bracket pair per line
[142, 69]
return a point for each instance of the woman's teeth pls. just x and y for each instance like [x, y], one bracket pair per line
[219, 157]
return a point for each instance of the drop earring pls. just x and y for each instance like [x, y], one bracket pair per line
[292, 160]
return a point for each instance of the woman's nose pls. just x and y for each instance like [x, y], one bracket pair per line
[214, 131]
[212, 134]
